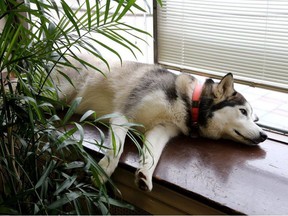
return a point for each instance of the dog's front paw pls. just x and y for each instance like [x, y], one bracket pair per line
[142, 181]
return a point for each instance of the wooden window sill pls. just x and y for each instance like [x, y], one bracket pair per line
[202, 176]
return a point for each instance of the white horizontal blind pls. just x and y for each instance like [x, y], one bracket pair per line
[246, 37]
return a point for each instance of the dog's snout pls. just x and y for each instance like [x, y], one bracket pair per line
[263, 136]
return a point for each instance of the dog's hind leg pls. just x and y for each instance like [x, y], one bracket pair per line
[155, 142]
[115, 146]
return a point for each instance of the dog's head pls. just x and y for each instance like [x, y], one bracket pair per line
[225, 113]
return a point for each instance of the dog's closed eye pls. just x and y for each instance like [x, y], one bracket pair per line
[243, 111]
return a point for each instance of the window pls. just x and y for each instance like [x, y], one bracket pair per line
[246, 37]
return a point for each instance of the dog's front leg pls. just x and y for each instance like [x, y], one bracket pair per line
[115, 146]
[156, 139]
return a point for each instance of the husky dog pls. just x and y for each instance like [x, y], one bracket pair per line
[165, 103]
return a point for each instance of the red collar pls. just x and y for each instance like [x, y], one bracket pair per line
[195, 102]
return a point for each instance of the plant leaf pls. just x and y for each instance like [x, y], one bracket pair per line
[71, 110]
[70, 14]
[45, 174]
[74, 164]
[66, 198]
[127, 7]
[88, 9]
[65, 185]
[120, 3]
[87, 114]
[107, 9]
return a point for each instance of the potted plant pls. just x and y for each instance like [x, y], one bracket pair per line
[36, 176]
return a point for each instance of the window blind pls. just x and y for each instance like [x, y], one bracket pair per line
[246, 37]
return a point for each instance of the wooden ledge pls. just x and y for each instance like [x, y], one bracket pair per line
[209, 177]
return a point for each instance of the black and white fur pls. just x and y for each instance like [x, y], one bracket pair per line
[161, 101]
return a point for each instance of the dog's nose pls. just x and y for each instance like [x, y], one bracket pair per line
[263, 136]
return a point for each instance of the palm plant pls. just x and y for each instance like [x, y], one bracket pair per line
[36, 176]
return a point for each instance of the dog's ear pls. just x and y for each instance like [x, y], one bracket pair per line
[226, 87]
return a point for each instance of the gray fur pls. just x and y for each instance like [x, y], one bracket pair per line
[156, 79]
